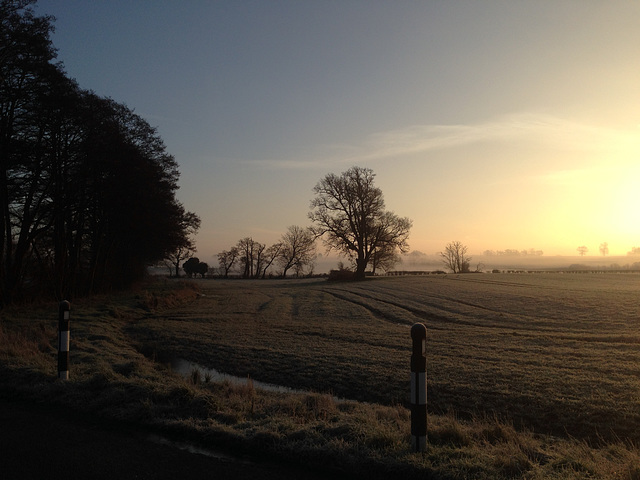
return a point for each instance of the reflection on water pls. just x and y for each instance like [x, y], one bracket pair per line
[195, 449]
[185, 368]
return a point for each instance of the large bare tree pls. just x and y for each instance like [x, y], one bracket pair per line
[349, 214]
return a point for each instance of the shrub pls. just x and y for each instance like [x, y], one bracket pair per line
[341, 275]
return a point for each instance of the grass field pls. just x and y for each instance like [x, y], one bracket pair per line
[556, 353]
[529, 376]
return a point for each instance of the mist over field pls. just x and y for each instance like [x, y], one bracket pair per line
[415, 261]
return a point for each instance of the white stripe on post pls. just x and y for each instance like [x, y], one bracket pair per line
[419, 388]
[63, 340]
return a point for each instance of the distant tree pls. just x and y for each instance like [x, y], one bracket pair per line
[298, 249]
[634, 251]
[250, 254]
[349, 214]
[226, 260]
[190, 267]
[455, 257]
[270, 255]
[582, 250]
[604, 248]
[202, 268]
[184, 240]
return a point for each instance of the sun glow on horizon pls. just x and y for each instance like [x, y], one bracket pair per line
[578, 189]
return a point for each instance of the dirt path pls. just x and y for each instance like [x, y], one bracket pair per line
[41, 442]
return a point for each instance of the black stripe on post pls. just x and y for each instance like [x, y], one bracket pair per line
[419, 388]
[63, 340]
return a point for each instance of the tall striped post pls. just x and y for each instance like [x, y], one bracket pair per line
[63, 340]
[419, 388]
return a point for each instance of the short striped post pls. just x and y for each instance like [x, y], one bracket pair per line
[63, 340]
[419, 388]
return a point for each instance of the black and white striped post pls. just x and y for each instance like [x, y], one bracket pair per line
[419, 388]
[63, 340]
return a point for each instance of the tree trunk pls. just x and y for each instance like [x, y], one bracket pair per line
[360, 267]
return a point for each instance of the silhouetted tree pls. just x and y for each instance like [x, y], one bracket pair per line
[87, 190]
[250, 254]
[349, 214]
[189, 223]
[297, 249]
[226, 260]
[191, 266]
[455, 257]
[25, 53]
[270, 255]
[582, 250]
[384, 258]
[202, 268]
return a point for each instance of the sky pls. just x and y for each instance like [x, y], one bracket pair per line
[501, 124]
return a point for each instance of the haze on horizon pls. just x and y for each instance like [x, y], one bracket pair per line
[504, 125]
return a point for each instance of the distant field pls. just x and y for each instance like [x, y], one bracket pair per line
[557, 353]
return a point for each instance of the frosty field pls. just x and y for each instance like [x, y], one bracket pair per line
[556, 353]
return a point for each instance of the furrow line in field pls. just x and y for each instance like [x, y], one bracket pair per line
[502, 283]
[429, 299]
[377, 312]
[450, 315]
[358, 341]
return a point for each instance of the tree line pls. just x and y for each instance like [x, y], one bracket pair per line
[532, 252]
[348, 214]
[295, 251]
[87, 189]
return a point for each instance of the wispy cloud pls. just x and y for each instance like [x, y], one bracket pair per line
[525, 129]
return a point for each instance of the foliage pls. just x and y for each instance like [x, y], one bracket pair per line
[349, 213]
[194, 266]
[189, 224]
[86, 186]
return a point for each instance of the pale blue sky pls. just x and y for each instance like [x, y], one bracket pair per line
[503, 124]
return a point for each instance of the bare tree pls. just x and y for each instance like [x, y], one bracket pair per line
[226, 260]
[250, 254]
[271, 254]
[582, 250]
[385, 259]
[298, 249]
[455, 257]
[349, 214]
[604, 248]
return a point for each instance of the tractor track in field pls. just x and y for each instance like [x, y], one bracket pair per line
[450, 316]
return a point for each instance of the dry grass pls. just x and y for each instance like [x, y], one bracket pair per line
[492, 348]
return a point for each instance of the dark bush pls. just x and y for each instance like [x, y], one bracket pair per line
[341, 275]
